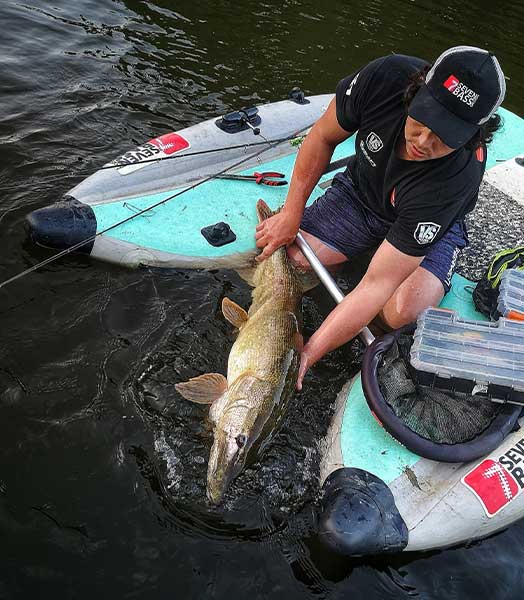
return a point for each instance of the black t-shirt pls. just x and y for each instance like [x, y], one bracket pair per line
[421, 199]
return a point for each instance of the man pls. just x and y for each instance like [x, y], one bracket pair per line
[415, 174]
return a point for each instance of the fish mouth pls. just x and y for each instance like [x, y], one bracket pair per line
[215, 493]
[218, 481]
[224, 465]
[217, 484]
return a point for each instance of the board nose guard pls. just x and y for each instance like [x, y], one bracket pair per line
[62, 225]
[358, 515]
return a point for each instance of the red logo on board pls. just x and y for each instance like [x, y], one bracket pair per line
[170, 143]
[493, 485]
[451, 83]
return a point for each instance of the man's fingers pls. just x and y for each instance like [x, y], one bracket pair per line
[267, 252]
[263, 255]
[302, 369]
[263, 224]
[259, 234]
[262, 240]
[299, 384]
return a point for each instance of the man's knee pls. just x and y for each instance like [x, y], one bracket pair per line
[403, 309]
[329, 257]
[297, 259]
[421, 290]
[398, 315]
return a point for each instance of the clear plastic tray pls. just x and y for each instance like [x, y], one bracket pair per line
[477, 351]
[511, 292]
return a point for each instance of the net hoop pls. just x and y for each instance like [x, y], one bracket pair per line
[487, 441]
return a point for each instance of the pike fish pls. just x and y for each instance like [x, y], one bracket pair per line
[261, 373]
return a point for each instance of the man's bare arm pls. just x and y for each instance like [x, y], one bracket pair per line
[312, 160]
[388, 269]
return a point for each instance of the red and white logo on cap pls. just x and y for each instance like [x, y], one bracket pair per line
[451, 83]
[480, 154]
[461, 91]
[170, 143]
[493, 485]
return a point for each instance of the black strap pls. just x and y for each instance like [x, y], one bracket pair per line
[337, 164]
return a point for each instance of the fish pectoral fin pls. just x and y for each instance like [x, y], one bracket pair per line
[204, 389]
[298, 339]
[249, 383]
[235, 314]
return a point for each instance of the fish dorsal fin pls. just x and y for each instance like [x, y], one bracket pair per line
[235, 314]
[204, 389]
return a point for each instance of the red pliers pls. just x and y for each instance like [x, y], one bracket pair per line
[265, 178]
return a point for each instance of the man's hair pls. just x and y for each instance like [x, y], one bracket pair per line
[486, 131]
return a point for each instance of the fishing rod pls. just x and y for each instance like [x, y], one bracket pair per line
[90, 239]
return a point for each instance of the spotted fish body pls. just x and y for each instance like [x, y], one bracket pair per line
[262, 370]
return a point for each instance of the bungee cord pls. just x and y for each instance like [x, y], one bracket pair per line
[197, 153]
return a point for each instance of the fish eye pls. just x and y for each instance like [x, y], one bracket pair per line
[241, 440]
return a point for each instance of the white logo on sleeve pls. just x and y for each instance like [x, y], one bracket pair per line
[425, 233]
[350, 88]
[373, 142]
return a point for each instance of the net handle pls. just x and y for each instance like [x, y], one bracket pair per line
[325, 277]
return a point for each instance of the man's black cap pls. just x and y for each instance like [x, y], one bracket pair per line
[462, 90]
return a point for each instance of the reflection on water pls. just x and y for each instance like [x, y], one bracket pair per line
[102, 474]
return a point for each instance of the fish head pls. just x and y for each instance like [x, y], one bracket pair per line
[233, 439]
[236, 430]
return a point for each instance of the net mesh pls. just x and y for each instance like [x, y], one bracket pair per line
[446, 418]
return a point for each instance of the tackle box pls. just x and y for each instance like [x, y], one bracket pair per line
[511, 294]
[469, 356]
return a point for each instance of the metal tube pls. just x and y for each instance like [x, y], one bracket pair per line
[325, 277]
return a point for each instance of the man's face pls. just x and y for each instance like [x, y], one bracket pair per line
[422, 143]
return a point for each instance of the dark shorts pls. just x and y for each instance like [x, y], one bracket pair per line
[340, 221]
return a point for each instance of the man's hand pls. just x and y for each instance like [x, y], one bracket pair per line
[303, 368]
[279, 230]
[312, 160]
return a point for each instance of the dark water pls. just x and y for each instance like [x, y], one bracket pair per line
[102, 465]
